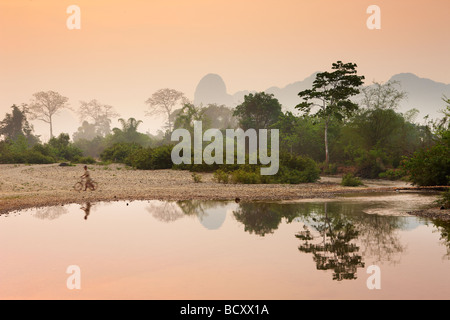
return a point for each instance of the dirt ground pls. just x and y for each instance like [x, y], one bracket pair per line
[28, 186]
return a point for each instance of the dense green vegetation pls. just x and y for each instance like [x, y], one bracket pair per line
[349, 180]
[340, 127]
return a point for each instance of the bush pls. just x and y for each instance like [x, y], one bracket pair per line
[10, 153]
[140, 159]
[297, 169]
[349, 180]
[62, 149]
[221, 176]
[151, 159]
[245, 177]
[162, 157]
[392, 174]
[371, 164]
[429, 167]
[84, 160]
[293, 176]
[294, 170]
[34, 157]
[119, 152]
[197, 178]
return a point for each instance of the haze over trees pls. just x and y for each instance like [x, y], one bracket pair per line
[340, 126]
[164, 102]
[99, 114]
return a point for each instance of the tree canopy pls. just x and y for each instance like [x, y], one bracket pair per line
[331, 93]
[258, 111]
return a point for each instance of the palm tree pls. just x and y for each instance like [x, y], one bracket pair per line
[129, 132]
[130, 126]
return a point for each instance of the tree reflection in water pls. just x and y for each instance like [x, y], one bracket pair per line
[50, 213]
[338, 235]
[335, 250]
[443, 227]
[264, 218]
[165, 211]
[200, 208]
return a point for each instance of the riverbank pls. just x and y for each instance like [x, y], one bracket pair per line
[29, 186]
[432, 213]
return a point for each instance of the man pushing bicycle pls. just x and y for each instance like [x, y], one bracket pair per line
[87, 176]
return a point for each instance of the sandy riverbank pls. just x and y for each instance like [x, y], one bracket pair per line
[25, 186]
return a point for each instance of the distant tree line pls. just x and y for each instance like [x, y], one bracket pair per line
[341, 127]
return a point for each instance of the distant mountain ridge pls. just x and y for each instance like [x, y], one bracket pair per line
[422, 93]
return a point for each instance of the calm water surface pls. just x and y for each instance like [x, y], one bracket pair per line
[225, 250]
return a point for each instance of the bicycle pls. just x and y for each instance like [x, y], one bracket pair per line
[80, 185]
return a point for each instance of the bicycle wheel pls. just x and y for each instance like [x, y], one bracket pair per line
[94, 185]
[78, 186]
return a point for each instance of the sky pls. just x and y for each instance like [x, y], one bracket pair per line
[127, 50]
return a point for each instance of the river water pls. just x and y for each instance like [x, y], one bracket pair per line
[226, 250]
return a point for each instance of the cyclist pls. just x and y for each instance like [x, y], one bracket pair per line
[87, 176]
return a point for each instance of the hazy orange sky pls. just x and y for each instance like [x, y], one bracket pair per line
[126, 50]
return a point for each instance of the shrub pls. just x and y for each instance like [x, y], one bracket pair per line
[162, 157]
[349, 180]
[34, 157]
[297, 169]
[140, 159]
[84, 160]
[292, 176]
[62, 149]
[245, 177]
[119, 152]
[151, 159]
[429, 167]
[221, 176]
[392, 174]
[293, 170]
[197, 178]
[9, 153]
[371, 164]
[43, 149]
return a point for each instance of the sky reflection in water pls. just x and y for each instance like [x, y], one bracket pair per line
[223, 250]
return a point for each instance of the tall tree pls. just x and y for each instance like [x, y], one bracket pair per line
[331, 93]
[45, 105]
[100, 114]
[164, 102]
[258, 111]
[16, 125]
